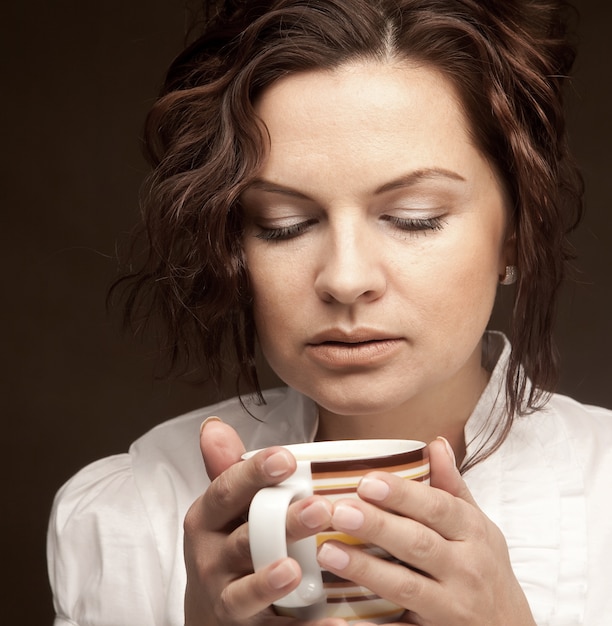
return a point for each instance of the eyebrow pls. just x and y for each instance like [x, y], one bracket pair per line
[263, 185]
[408, 180]
[413, 178]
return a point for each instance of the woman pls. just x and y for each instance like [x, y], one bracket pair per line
[345, 183]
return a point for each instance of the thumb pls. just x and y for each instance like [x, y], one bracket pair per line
[444, 473]
[220, 445]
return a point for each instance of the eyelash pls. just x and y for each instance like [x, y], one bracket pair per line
[285, 232]
[416, 225]
[410, 225]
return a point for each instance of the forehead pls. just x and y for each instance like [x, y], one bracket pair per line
[366, 88]
[391, 115]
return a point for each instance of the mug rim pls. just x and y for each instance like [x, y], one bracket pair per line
[407, 451]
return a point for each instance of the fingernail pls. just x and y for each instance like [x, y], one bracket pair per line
[347, 517]
[373, 489]
[315, 515]
[449, 450]
[332, 557]
[212, 418]
[283, 574]
[277, 464]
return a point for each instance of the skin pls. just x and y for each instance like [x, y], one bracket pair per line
[375, 220]
[376, 234]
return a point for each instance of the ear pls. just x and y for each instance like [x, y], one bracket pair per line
[508, 253]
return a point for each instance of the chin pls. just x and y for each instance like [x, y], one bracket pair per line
[359, 403]
[363, 393]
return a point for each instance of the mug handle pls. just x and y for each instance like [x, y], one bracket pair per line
[268, 536]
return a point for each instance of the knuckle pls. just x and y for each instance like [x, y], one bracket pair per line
[192, 521]
[240, 544]
[228, 607]
[307, 516]
[359, 565]
[407, 588]
[377, 523]
[464, 614]
[484, 532]
[437, 506]
[220, 490]
[422, 546]
[497, 536]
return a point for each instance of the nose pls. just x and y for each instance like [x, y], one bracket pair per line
[351, 268]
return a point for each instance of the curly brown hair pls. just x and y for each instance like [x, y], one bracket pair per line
[509, 60]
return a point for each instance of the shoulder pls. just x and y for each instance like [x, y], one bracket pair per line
[97, 485]
[575, 412]
[165, 464]
[167, 458]
[547, 487]
[99, 541]
[575, 448]
[117, 523]
[585, 428]
[566, 434]
[559, 453]
[579, 436]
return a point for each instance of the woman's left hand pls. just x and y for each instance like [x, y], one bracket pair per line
[459, 568]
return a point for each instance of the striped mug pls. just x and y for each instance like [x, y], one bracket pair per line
[332, 469]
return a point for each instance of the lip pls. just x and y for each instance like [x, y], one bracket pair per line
[356, 348]
[356, 335]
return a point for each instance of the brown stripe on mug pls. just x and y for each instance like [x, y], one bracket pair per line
[339, 467]
[356, 598]
[333, 490]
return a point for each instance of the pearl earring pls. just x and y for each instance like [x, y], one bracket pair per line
[510, 276]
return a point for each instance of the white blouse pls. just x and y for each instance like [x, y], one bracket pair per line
[115, 544]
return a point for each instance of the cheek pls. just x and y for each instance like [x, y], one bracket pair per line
[277, 304]
[455, 283]
[276, 293]
[473, 286]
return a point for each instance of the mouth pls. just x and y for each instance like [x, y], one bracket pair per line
[348, 345]
[355, 337]
[359, 349]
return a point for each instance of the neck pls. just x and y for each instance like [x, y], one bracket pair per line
[441, 412]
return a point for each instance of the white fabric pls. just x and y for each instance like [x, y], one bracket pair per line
[115, 536]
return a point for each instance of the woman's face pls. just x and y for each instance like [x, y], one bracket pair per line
[374, 238]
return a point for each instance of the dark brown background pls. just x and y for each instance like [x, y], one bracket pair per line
[78, 77]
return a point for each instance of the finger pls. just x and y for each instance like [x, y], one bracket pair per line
[317, 511]
[229, 495]
[405, 587]
[420, 547]
[307, 517]
[388, 624]
[247, 596]
[404, 622]
[220, 445]
[304, 518]
[450, 516]
[237, 552]
[444, 472]
[254, 594]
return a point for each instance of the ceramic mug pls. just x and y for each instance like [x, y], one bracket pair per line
[332, 469]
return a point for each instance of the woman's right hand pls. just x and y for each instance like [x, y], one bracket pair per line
[222, 589]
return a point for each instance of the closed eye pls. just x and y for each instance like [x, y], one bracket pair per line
[283, 233]
[415, 224]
